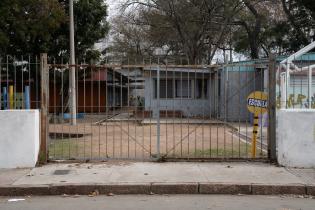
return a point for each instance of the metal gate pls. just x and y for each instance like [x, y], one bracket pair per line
[156, 111]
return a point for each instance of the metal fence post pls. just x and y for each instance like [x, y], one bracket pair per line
[310, 75]
[43, 155]
[158, 113]
[272, 109]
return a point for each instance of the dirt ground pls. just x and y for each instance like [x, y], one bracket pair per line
[94, 138]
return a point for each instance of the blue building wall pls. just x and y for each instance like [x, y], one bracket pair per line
[239, 79]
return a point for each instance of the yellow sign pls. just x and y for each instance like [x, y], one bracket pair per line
[257, 102]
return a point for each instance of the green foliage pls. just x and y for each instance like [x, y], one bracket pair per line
[90, 27]
[35, 26]
[27, 26]
[299, 13]
[197, 29]
[284, 26]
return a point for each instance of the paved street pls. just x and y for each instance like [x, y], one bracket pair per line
[163, 202]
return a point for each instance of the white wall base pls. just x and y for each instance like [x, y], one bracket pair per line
[19, 138]
[296, 138]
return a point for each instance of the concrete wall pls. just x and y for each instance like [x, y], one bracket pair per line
[296, 138]
[19, 138]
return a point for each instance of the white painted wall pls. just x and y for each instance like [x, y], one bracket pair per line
[19, 138]
[296, 138]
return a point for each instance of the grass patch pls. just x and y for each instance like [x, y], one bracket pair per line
[63, 149]
[238, 151]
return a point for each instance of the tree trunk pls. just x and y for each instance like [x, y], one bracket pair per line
[254, 46]
[253, 35]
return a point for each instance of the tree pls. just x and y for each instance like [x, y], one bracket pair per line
[301, 17]
[278, 26]
[194, 29]
[197, 29]
[35, 26]
[26, 27]
[129, 39]
[253, 28]
[256, 26]
[309, 5]
[90, 19]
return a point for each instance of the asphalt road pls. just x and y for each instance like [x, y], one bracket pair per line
[157, 202]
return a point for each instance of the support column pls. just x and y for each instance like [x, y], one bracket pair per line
[272, 109]
[44, 72]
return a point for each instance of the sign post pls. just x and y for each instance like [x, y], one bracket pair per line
[257, 104]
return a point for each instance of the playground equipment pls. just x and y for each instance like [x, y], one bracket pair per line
[15, 100]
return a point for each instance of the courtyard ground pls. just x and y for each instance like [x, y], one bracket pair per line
[124, 137]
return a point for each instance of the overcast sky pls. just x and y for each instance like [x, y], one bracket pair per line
[113, 6]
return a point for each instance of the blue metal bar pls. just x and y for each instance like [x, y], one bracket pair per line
[27, 97]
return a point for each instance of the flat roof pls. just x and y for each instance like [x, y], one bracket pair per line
[180, 69]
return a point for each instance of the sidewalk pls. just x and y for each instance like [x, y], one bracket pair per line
[157, 178]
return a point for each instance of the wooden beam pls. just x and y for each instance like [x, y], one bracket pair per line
[43, 154]
[272, 109]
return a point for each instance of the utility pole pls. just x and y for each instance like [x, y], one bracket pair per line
[231, 49]
[72, 90]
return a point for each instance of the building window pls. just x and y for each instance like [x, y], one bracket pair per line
[201, 88]
[166, 88]
[183, 88]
